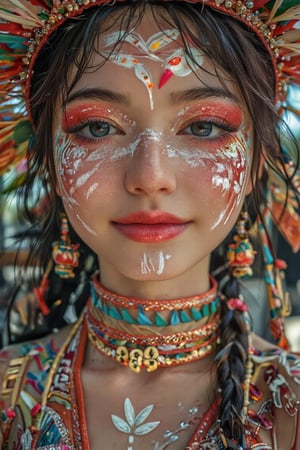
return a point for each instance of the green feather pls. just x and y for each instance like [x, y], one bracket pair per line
[22, 132]
[11, 39]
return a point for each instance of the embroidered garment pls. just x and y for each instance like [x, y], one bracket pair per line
[42, 402]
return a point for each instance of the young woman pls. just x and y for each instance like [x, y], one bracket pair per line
[155, 134]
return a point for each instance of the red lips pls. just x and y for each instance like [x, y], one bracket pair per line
[150, 226]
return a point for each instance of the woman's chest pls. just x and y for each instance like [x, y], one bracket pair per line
[123, 413]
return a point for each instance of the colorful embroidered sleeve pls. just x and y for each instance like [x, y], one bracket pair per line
[23, 372]
[275, 397]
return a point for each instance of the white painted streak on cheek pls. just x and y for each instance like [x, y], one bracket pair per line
[233, 179]
[91, 189]
[98, 155]
[194, 159]
[61, 146]
[123, 152]
[114, 154]
[154, 263]
[222, 182]
[87, 227]
[84, 178]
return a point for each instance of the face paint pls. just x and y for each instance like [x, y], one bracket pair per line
[74, 153]
[91, 189]
[222, 158]
[178, 63]
[69, 162]
[226, 168]
[87, 227]
[154, 263]
[230, 175]
[64, 169]
[219, 157]
[155, 43]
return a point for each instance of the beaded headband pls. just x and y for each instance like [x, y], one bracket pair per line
[25, 26]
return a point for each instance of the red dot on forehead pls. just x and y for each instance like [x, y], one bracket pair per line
[175, 61]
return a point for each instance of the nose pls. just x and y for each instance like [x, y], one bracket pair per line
[149, 172]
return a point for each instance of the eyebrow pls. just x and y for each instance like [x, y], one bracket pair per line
[176, 97]
[98, 94]
[202, 93]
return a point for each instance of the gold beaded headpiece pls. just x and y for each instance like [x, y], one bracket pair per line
[25, 26]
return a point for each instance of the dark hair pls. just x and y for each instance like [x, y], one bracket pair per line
[232, 48]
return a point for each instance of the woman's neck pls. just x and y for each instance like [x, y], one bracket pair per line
[161, 312]
[152, 333]
[191, 282]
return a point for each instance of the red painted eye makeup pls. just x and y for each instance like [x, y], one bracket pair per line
[225, 111]
[92, 123]
[79, 114]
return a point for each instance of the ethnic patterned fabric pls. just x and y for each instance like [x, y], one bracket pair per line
[42, 405]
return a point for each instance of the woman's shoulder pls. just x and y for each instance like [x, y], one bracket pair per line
[27, 371]
[24, 370]
[277, 370]
[24, 363]
[275, 392]
[266, 354]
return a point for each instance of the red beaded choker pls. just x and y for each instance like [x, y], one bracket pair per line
[139, 344]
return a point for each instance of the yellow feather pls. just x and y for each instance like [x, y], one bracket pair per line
[291, 14]
[16, 11]
[295, 48]
[275, 8]
[13, 18]
[9, 125]
[290, 36]
[26, 7]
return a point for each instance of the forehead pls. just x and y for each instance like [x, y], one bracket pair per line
[154, 51]
[158, 32]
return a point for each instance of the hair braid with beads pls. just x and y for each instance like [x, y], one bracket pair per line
[231, 367]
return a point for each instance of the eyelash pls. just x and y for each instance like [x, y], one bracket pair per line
[215, 122]
[76, 130]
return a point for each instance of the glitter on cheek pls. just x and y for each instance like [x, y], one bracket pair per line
[154, 263]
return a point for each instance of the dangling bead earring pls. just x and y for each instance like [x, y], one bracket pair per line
[65, 254]
[240, 253]
[279, 303]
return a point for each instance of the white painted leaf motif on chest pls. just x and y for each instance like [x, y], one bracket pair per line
[134, 424]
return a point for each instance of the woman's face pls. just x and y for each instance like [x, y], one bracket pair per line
[152, 163]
